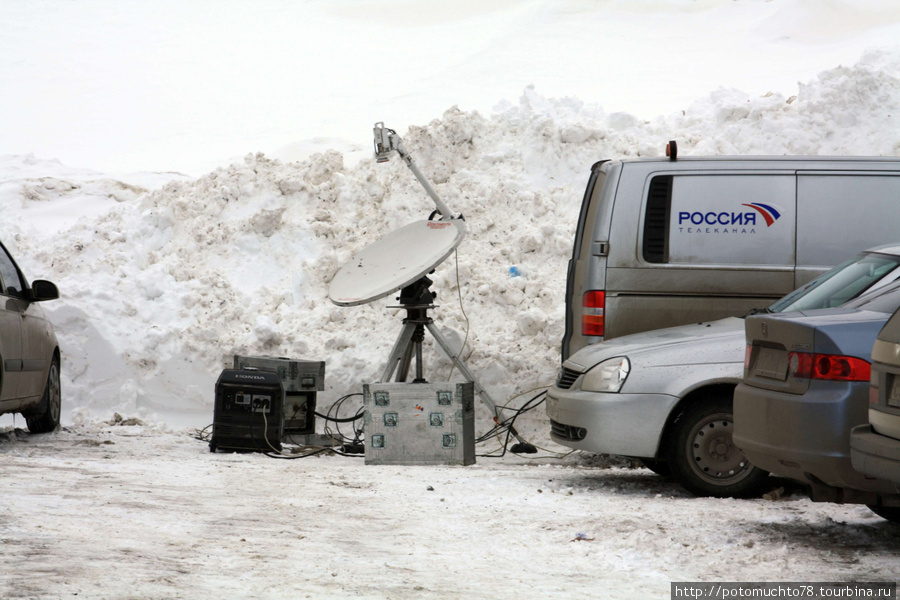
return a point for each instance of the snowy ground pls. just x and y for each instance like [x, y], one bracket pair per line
[124, 512]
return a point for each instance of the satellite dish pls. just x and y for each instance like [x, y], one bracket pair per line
[395, 261]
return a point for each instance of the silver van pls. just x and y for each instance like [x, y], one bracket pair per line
[670, 241]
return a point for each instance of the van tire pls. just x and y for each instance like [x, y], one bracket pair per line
[702, 455]
[51, 403]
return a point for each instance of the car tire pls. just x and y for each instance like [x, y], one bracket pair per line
[658, 466]
[702, 455]
[48, 418]
[891, 513]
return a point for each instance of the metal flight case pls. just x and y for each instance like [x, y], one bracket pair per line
[419, 423]
[302, 379]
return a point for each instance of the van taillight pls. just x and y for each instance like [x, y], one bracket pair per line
[592, 306]
[805, 365]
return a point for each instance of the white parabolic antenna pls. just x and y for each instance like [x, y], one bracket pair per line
[395, 261]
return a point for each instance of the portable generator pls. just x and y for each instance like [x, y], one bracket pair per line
[249, 411]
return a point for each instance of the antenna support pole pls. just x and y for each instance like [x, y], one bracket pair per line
[386, 141]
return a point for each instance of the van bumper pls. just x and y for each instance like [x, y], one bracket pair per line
[622, 424]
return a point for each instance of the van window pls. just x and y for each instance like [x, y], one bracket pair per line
[839, 215]
[724, 219]
[656, 220]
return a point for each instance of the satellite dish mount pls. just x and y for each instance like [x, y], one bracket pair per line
[401, 261]
[387, 141]
[416, 297]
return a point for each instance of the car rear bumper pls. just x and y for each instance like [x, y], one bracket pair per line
[805, 436]
[623, 424]
[875, 455]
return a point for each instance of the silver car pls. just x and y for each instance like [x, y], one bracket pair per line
[29, 352]
[665, 396]
[875, 446]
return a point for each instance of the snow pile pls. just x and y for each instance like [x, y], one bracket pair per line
[162, 285]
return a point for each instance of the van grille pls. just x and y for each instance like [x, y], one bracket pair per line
[567, 432]
[656, 221]
[566, 378]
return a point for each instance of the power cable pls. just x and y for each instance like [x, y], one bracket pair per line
[463, 311]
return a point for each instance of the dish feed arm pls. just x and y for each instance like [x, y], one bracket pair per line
[386, 141]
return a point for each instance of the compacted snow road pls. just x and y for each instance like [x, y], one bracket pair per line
[103, 511]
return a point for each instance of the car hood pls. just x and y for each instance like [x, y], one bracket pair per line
[713, 342]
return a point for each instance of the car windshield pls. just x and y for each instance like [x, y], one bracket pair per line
[885, 299]
[843, 283]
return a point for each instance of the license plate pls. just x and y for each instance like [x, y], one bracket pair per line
[552, 407]
[772, 363]
[893, 398]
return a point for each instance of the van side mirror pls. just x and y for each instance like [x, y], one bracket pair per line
[43, 290]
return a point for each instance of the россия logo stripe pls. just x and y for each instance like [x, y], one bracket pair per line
[769, 213]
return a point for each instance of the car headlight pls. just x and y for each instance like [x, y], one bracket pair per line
[607, 376]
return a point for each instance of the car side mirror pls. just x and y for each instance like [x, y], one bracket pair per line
[43, 290]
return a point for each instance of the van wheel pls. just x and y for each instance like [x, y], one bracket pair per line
[703, 457]
[48, 419]
[891, 513]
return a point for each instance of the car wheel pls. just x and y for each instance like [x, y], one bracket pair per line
[703, 457]
[51, 403]
[891, 513]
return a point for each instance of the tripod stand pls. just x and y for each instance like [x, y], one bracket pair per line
[417, 298]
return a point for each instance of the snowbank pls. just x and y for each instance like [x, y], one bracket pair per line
[162, 284]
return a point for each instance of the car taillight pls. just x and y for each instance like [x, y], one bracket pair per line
[592, 305]
[748, 353]
[805, 365]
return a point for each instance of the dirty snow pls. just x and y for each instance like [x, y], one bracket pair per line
[165, 275]
[137, 513]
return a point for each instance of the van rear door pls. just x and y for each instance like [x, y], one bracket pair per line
[587, 267]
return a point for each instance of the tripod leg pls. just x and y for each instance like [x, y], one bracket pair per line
[523, 446]
[403, 367]
[413, 350]
[400, 352]
[485, 397]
